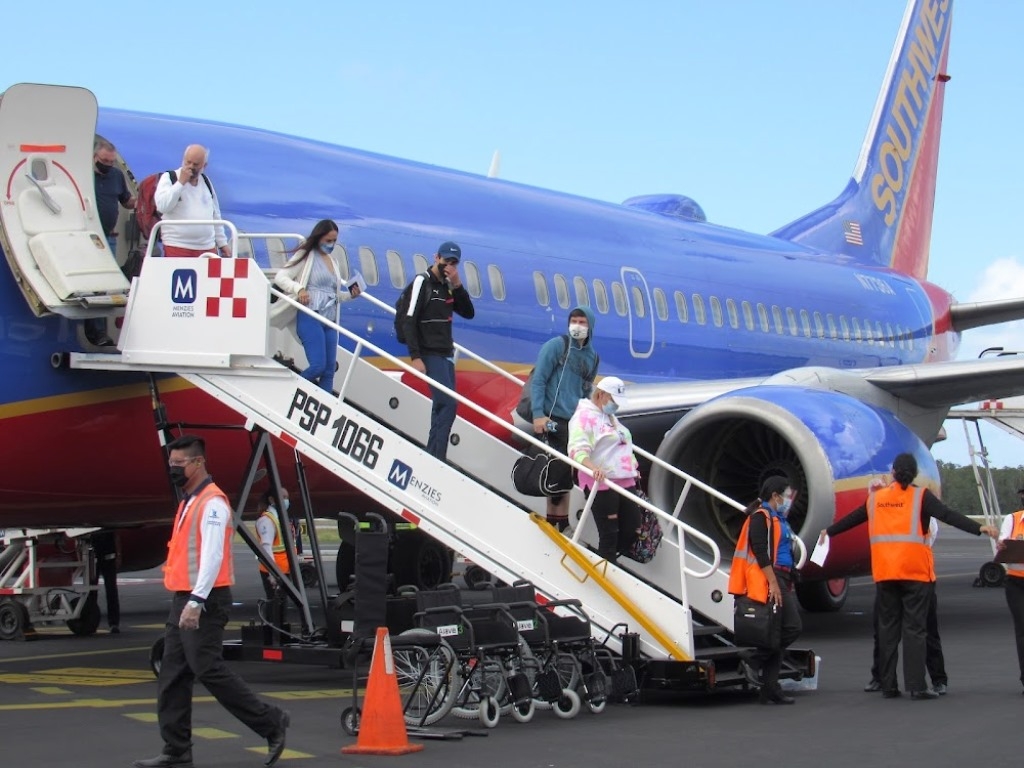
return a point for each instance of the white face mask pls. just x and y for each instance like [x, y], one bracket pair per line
[578, 331]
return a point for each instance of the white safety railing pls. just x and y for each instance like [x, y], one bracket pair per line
[361, 344]
[154, 233]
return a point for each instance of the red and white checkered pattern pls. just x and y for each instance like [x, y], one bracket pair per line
[226, 271]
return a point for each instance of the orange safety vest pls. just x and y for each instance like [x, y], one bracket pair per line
[186, 543]
[745, 575]
[899, 548]
[1017, 532]
[280, 553]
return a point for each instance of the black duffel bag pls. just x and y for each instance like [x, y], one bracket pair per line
[538, 473]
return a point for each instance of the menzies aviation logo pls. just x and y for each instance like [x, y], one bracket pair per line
[402, 476]
[183, 293]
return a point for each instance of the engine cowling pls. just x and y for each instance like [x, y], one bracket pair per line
[830, 445]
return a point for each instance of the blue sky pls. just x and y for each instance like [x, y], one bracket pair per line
[757, 110]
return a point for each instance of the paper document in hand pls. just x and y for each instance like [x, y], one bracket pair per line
[820, 552]
[356, 281]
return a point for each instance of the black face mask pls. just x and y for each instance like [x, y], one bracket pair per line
[177, 475]
[102, 169]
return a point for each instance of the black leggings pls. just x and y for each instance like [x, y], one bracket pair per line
[617, 519]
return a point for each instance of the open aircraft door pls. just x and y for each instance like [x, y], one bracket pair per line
[49, 225]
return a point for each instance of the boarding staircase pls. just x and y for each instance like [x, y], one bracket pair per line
[206, 320]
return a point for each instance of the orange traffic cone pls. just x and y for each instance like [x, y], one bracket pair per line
[381, 726]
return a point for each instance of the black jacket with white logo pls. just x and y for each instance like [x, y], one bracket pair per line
[428, 322]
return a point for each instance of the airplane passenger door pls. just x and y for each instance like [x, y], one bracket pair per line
[49, 225]
[640, 312]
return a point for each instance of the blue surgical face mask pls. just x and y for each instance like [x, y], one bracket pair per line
[784, 506]
[326, 247]
[610, 407]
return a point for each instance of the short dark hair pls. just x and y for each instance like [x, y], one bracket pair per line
[193, 445]
[772, 485]
[904, 469]
[578, 312]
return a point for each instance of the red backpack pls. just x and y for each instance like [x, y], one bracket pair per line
[146, 214]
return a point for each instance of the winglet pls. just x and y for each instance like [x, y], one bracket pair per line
[884, 216]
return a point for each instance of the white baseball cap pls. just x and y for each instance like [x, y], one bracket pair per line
[615, 387]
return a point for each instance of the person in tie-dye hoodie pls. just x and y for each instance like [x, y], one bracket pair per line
[604, 445]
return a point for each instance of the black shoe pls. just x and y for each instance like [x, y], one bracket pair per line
[895, 694]
[115, 630]
[750, 674]
[926, 694]
[184, 760]
[873, 687]
[940, 688]
[275, 741]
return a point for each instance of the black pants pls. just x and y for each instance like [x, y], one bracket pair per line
[1015, 600]
[903, 614]
[771, 661]
[197, 654]
[106, 567]
[617, 519]
[934, 660]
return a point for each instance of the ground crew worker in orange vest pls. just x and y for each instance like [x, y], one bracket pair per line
[762, 569]
[268, 526]
[199, 573]
[898, 518]
[1013, 528]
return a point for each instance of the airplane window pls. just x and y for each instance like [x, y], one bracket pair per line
[716, 311]
[396, 269]
[805, 321]
[777, 316]
[601, 297]
[831, 326]
[881, 335]
[698, 309]
[856, 330]
[762, 316]
[734, 317]
[681, 307]
[473, 283]
[819, 327]
[639, 305]
[244, 248]
[341, 256]
[899, 336]
[419, 263]
[580, 286]
[619, 297]
[562, 291]
[845, 326]
[661, 304]
[540, 286]
[748, 315]
[368, 266]
[497, 284]
[867, 332]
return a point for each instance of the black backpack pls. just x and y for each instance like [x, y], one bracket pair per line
[525, 407]
[402, 307]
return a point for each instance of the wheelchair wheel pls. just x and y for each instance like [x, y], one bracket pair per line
[426, 678]
[478, 684]
[489, 712]
[523, 713]
[568, 705]
[350, 720]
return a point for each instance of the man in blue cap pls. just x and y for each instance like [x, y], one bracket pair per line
[428, 334]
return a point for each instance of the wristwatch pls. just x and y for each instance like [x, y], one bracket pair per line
[193, 604]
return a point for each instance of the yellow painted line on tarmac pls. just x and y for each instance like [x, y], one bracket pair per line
[75, 654]
[50, 690]
[288, 754]
[142, 717]
[329, 693]
[213, 734]
[87, 676]
[150, 703]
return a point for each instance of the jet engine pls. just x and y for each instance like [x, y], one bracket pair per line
[830, 445]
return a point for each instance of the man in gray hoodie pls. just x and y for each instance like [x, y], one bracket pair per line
[562, 376]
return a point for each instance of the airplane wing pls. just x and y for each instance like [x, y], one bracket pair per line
[935, 385]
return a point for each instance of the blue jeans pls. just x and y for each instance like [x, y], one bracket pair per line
[320, 343]
[442, 412]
